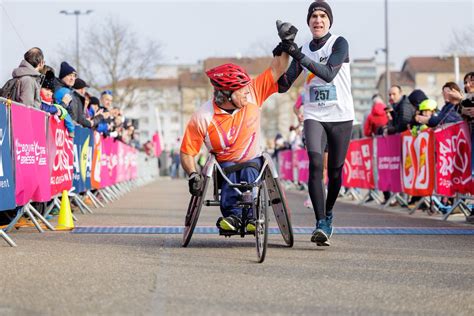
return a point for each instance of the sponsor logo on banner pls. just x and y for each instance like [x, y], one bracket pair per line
[418, 163]
[30, 154]
[61, 162]
[453, 159]
[357, 171]
[85, 159]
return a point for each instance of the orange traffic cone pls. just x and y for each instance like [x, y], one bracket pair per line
[65, 221]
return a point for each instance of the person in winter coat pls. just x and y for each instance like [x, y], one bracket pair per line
[428, 108]
[29, 78]
[376, 120]
[76, 107]
[67, 77]
[50, 107]
[403, 111]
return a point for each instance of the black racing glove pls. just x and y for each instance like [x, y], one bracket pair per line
[278, 50]
[195, 184]
[292, 49]
[286, 31]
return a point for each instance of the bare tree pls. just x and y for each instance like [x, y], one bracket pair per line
[113, 56]
[462, 41]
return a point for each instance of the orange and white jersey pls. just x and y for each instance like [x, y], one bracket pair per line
[230, 137]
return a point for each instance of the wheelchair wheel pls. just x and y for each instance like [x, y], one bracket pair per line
[280, 208]
[192, 215]
[261, 222]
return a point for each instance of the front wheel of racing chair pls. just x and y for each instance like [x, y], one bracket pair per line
[278, 202]
[196, 202]
[261, 222]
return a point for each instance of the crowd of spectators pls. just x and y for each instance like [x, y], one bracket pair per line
[68, 97]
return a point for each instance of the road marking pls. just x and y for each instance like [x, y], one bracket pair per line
[274, 230]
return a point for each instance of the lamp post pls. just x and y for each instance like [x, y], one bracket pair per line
[76, 13]
[387, 70]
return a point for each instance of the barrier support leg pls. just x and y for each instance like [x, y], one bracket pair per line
[422, 201]
[462, 207]
[354, 194]
[94, 200]
[7, 238]
[35, 212]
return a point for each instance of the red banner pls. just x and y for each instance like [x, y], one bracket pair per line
[357, 172]
[61, 156]
[32, 175]
[418, 163]
[453, 163]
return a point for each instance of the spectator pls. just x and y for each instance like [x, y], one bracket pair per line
[376, 120]
[67, 77]
[416, 97]
[467, 105]
[29, 78]
[47, 104]
[95, 113]
[403, 111]
[432, 118]
[106, 99]
[76, 107]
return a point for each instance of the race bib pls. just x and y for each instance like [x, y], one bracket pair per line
[323, 95]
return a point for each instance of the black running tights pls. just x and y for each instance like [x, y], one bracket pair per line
[338, 135]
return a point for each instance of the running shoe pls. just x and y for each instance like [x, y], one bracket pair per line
[321, 233]
[229, 223]
[329, 222]
[250, 227]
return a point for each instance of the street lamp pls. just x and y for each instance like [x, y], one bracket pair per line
[387, 71]
[77, 13]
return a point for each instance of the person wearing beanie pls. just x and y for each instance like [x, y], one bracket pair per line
[48, 105]
[416, 97]
[328, 109]
[77, 106]
[67, 76]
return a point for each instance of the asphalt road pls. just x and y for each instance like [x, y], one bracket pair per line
[62, 273]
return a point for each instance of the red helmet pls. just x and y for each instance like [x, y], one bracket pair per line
[228, 77]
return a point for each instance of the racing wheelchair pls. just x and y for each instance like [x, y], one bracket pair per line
[264, 192]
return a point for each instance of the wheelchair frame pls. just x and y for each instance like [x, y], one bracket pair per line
[265, 191]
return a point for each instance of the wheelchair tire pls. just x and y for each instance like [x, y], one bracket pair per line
[280, 208]
[261, 223]
[192, 215]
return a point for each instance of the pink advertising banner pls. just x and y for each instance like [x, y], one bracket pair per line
[105, 171]
[358, 169]
[302, 163]
[285, 162]
[31, 158]
[453, 159]
[121, 162]
[96, 159]
[389, 163]
[60, 147]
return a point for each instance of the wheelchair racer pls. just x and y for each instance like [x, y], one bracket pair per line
[229, 126]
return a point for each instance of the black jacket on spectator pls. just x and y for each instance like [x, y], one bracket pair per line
[403, 112]
[76, 110]
[447, 115]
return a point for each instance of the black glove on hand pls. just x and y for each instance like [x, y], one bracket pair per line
[292, 49]
[195, 183]
[286, 31]
[278, 50]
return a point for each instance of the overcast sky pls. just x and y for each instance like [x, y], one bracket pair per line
[194, 30]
